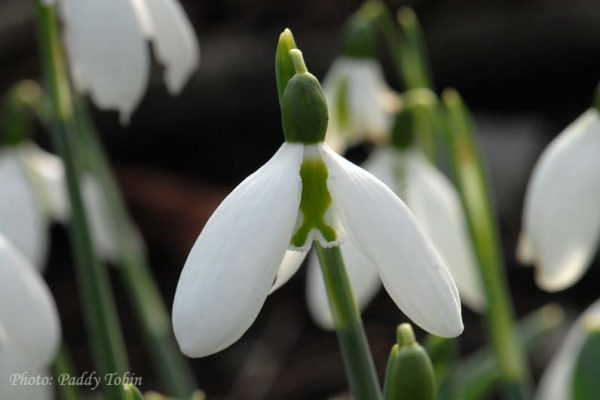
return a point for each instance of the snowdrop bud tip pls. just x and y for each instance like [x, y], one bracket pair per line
[360, 39]
[303, 107]
[410, 373]
[284, 68]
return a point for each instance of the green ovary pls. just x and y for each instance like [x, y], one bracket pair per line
[314, 203]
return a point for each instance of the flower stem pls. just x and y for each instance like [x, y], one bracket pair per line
[135, 272]
[94, 285]
[360, 368]
[472, 184]
[63, 366]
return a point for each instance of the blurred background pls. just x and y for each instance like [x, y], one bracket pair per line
[527, 68]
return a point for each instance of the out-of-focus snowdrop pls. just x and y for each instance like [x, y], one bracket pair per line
[556, 382]
[29, 326]
[306, 193]
[561, 219]
[36, 194]
[361, 104]
[109, 56]
[435, 203]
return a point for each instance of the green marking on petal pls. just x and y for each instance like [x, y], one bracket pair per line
[314, 202]
[341, 104]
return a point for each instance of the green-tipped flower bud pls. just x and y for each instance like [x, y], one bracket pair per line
[585, 384]
[23, 101]
[597, 98]
[360, 39]
[409, 371]
[284, 66]
[303, 107]
[415, 67]
[130, 392]
[418, 120]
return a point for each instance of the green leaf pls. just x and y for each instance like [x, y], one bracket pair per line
[586, 378]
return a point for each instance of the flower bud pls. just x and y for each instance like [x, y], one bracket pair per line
[130, 392]
[360, 39]
[409, 371]
[303, 107]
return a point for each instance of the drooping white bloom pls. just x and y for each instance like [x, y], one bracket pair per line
[561, 220]
[109, 56]
[557, 379]
[264, 225]
[437, 208]
[361, 104]
[36, 194]
[29, 325]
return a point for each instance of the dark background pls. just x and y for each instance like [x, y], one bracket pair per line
[526, 68]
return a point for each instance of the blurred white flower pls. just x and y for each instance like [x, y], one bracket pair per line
[556, 381]
[29, 325]
[109, 56]
[36, 195]
[361, 104]
[561, 219]
[436, 206]
[272, 218]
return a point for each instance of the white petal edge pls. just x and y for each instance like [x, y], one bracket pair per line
[175, 42]
[108, 53]
[28, 317]
[384, 230]
[289, 266]
[22, 220]
[234, 262]
[555, 383]
[436, 205]
[363, 276]
[561, 220]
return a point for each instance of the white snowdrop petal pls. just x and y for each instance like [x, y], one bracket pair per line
[363, 277]
[235, 260]
[47, 174]
[175, 42]
[368, 101]
[21, 217]
[555, 383]
[28, 316]
[437, 207]
[108, 53]
[289, 266]
[105, 243]
[385, 231]
[561, 215]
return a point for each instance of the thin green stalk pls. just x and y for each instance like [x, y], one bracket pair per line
[360, 368]
[94, 285]
[61, 367]
[471, 181]
[135, 272]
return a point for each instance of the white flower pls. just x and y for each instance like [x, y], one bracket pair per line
[555, 383]
[29, 324]
[236, 259]
[361, 104]
[36, 194]
[109, 56]
[437, 208]
[561, 220]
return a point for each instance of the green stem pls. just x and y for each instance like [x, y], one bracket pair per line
[63, 366]
[94, 285]
[472, 183]
[360, 368]
[135, 273]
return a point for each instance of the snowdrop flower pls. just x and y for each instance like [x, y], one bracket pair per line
[36, 195]
[29, 325]
[304, 193]
[361, 104]
[556, 381]
[436, 206]
[106, 42]
[561, 219]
